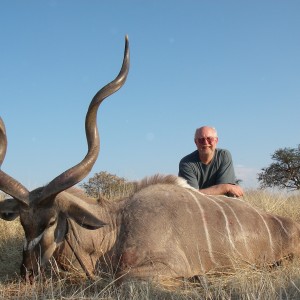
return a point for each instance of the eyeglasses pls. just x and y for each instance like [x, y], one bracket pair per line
[209, 139]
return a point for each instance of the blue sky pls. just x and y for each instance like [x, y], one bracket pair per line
[234, 65]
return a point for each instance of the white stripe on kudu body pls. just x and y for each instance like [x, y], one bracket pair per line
[229, 234]
[205, 226]
[281, 224]
[239, 223]
[243, 232]
[266, 225]
[268, 230]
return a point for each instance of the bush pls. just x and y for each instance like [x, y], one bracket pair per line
[284, 172]
[104, 184]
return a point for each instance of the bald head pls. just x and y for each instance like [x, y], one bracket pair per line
[206, 131]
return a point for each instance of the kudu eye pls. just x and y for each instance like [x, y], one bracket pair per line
[8, 216]
[51, 222]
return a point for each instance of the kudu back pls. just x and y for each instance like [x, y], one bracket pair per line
[165, 229]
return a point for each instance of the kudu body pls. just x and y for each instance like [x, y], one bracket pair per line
[165, 229]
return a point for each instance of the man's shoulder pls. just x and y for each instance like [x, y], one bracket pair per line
[223, 154]
[192, 157]
[222, 151]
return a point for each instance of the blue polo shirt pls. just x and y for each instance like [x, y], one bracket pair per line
[200, 176]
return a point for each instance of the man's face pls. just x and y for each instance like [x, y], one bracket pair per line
[206, 141]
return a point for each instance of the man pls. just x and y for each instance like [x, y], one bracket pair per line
[209, 169]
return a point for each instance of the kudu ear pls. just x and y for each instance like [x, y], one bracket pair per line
[9, 209]
[83, 213]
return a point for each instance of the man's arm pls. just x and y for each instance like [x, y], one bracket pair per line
[223, 189]
[225, 184]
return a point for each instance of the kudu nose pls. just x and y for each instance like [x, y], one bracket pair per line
[27, 275]
[29, 278]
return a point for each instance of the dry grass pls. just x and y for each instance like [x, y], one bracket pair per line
[282, 204]
[11, 240]
[280, 283]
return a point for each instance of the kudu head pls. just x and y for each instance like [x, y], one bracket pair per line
[44, 211]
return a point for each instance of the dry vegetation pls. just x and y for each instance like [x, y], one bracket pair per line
[280, 283]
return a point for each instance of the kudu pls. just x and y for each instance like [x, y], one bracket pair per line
[165, 229]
